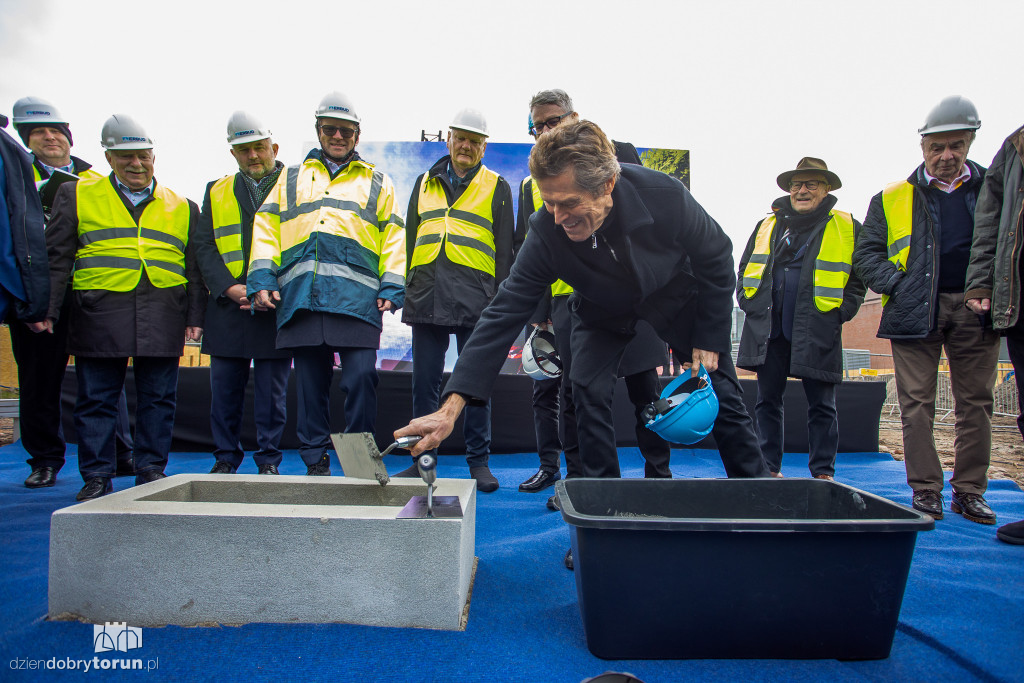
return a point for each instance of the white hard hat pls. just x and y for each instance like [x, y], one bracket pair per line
[337, 105]
[36, 110]
[243, 127]
[121, 131]
[952, 113]
[540, 358]
[470, 119]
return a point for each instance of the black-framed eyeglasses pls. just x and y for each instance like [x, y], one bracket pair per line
[541, 126]
[812, 185]
[331, 131]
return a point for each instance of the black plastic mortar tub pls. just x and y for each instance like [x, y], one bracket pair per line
[738, 568]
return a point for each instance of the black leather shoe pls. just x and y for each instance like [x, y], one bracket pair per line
[553, 503]
[148, 476]
[222, 467]
[568, 560]
[95, 488]
[41, 477]
[540, 481]
[268, 469]
[485, 481]
[928, 502]
[322, 468]
[408, 473]
[973, 507]
[1011, 533]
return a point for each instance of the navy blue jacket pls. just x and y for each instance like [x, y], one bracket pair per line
[912, 310]
[26, 214]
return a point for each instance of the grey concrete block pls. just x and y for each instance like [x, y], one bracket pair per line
[199, 549]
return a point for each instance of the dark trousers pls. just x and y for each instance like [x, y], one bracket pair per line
[642, 388]
[595, 363]
[973, 352]
[42, 360]
[429, 345]
[1015, 346]
[314, 370]
[822, 419]
[228, 377]
[100, 388]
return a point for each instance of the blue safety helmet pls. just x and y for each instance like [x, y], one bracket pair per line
[687, 409]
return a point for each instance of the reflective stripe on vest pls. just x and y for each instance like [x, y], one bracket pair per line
[898, 204]
[227, 224]
[832, 266]
[559, 287]
[113, 251]
[466, 228]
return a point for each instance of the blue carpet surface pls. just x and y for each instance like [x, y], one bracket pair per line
[962, 617]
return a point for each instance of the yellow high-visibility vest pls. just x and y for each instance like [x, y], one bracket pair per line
[559, 287]
[113, 251]
[227, 224]
[832, 266]
[466, 228]
[898, 204]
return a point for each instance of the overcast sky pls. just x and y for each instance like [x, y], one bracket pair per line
[748, 87]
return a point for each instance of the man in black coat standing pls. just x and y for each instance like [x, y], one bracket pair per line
[796, 288]
[634, 245]
[234, 335]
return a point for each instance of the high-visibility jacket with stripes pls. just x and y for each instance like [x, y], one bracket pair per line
[329, 245]
[832, 266]
[898, 205]
[559, 287]
[227, 224]
[465, 229]
[114, 251]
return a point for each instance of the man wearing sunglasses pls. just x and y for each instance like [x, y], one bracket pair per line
[796, 288]
[914, 251]
[553, 409]
[459, 248]
[328, 254]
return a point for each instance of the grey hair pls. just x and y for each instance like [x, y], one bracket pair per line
[581, 146]
[557, 96]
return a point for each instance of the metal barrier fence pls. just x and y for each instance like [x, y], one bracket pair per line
[1005, 403]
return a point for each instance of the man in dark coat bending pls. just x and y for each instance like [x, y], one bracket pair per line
[633, 244]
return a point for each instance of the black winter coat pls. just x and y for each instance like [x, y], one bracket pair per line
[912, 310]
[646, 351]
[229, 331]
[443, 292]
[817, 340]
[677, 259]
[26, 215]
[146, 321]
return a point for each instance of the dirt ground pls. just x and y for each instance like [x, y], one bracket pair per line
[1007, 446]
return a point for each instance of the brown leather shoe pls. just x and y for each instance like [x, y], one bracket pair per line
[826, 477]
[928, 502]
[973, 507]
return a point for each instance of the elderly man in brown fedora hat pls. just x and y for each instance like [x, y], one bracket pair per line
[797, 288]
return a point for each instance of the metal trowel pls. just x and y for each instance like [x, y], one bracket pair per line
[359, 457]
